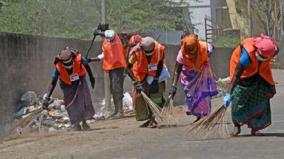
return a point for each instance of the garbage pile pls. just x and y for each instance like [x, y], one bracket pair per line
[56, 118]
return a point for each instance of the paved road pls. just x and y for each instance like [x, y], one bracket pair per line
[122, 139]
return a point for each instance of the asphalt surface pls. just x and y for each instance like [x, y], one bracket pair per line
[123, 139]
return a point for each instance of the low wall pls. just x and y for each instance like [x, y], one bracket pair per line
[27, 63]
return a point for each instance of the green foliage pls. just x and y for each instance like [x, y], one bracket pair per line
[265, 15]
[227, 41]
[73, 18]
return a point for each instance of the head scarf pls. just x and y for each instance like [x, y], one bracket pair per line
[192, 56]
[66, 55]
[135, 39]
[265, 46]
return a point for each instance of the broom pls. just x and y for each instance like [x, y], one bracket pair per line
[168, 112]
[154, 108]
[20, 126]
[213, 126]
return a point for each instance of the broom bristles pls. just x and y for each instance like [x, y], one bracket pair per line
[211, 126]
[154, 108]
[168, 113]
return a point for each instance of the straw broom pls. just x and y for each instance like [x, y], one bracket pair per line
[168, 112]
[153, 106]
[19, 127]
[213, 126]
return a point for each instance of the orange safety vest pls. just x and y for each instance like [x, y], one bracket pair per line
[78, 70]
[142, 68]
[200, 59]
[263, 69]
[113, 54]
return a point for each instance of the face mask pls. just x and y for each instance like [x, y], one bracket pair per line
[67, 61]
[149, 53]
[259, 57]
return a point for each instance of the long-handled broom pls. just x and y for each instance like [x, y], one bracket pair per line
[169, 118]
[19, 127]
[213, 126]
[154, 108]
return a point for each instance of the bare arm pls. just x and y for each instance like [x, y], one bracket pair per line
[177, 70]
[94, 59]
[129, 72]
[160, 68]
[52, 86]
[88, 69]
[236, 78]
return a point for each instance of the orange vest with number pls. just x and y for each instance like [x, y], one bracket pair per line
[113, 54]
[77, 68]
[263, 68]
[142, 68]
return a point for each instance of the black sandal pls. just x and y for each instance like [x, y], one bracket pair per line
[236, 131]
[146, 124]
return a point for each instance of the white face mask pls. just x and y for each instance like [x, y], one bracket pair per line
[259, 58]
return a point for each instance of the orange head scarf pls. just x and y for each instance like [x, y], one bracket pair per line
[191, 52]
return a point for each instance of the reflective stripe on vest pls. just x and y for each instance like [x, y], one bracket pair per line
[77, 68]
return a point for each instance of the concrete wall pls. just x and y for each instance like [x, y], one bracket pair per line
[27, 63]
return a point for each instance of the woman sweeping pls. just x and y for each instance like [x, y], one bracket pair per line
[192, 64]
[252, 85]
[71, 68]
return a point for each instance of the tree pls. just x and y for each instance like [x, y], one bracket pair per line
[73, 18]
[265, 16]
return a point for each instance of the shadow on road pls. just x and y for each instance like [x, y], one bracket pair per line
[264, 135]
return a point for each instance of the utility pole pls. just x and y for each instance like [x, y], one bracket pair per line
[106, 76]
[249, 18]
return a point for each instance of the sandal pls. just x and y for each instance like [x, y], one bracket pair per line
[85, 126]
[153, 124]
[146, 124]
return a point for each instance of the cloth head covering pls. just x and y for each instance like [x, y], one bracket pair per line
[190, 48]
[109, 34]
[148, 45]
[135, 39]
[66, 55]
[189, 44]
[265, 46]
